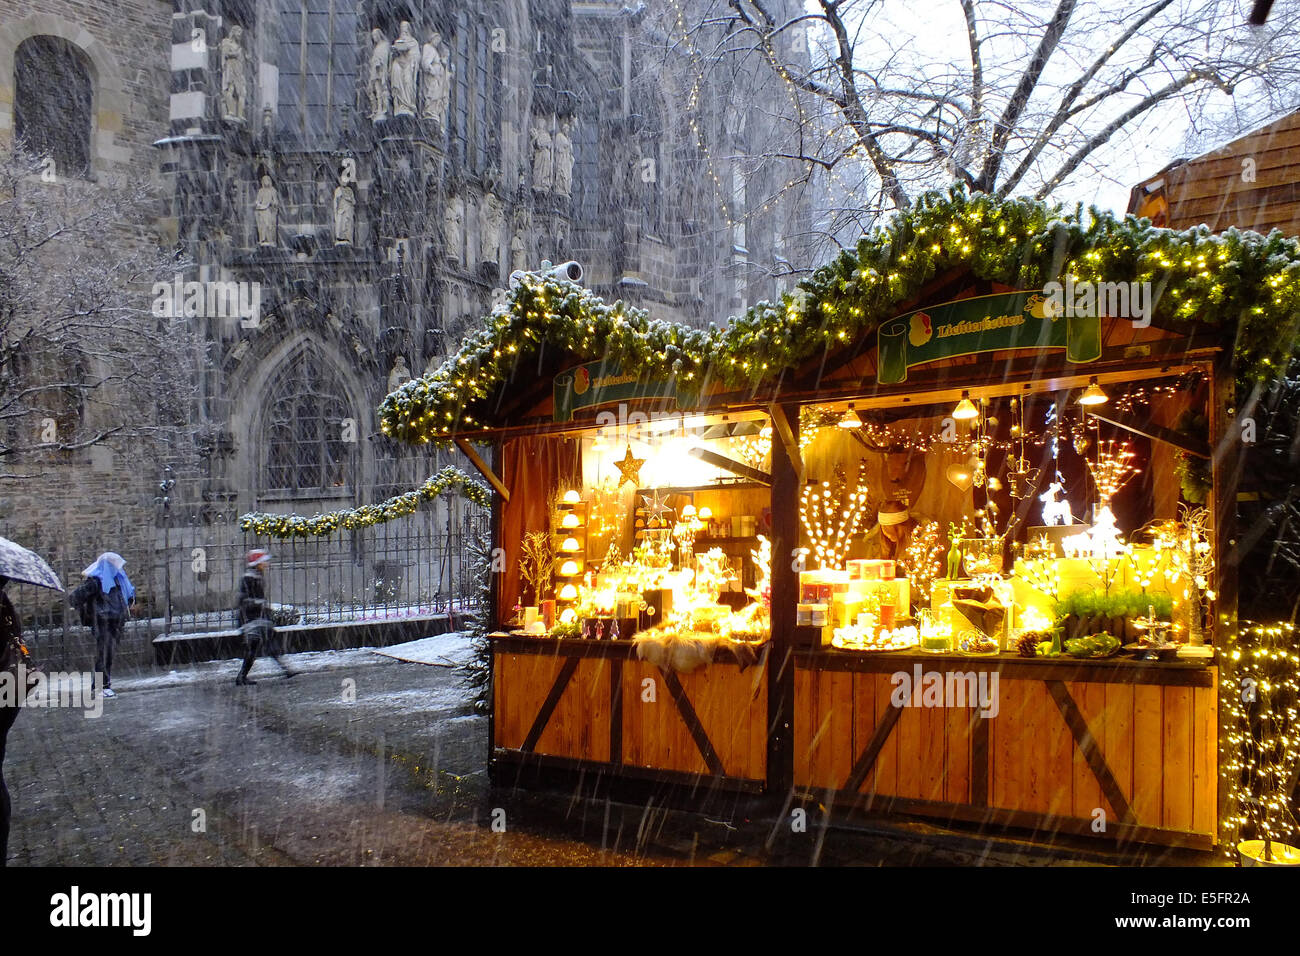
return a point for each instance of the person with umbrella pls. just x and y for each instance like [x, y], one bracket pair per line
[16, 564]
[104, 600]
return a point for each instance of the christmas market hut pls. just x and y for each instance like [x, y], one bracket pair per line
[947, 531]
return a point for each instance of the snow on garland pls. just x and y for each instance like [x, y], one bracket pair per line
[296, 526]
[1235, 278]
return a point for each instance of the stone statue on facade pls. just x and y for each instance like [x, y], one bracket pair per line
[345, 214]
[518, 253]
[266, 213]
[405, 71]
[399, 375]
[491, 221]
[453, 228]
[377, 86]
[563, 161]
[234, 75]
[436, 89]
[543, 157]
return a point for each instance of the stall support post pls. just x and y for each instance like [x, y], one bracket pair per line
[785, 594]
[1227, 459]
[493, 604]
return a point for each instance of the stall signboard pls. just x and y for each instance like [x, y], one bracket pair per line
[987, 323]
[602, 382]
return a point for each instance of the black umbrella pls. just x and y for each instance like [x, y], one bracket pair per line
[19, 564]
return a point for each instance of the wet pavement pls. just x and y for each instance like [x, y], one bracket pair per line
[361, 759]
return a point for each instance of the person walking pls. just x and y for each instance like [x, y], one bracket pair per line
[104, 600]
[13, 653]
[255, 616]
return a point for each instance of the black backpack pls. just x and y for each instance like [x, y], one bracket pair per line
[83, 599]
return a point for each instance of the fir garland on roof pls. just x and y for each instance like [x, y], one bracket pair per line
[1232, 280]
[296, 526]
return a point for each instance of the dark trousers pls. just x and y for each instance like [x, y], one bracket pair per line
[7, 717]
[260, 640]
[108, 631]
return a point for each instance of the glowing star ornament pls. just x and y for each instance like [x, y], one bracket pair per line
[630, 468]
[655, 506]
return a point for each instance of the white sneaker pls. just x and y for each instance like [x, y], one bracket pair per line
[109, 692]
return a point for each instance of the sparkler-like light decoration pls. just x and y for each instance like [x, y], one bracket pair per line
[1261, 693]
[832, 514]
[923, 559]
[1112, 469]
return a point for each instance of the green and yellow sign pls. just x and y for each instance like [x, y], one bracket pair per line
[602, 382]
[987, 323]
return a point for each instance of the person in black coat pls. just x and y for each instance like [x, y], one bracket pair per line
[255, 617]
[12, 654]
[104, 601]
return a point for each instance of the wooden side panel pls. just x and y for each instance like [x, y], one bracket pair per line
[1086, 794]
[731, 707]
[1205, 763]
[1148, 754]
[1116, 734]
[579, 726]
[1178, 758]
[824, 750]
[653, 734]
[521, 685]
[930, 755]
[908, 734]
[957, 754]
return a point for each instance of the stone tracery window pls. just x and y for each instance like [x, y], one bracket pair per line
[53, 102]
[304, 431]
[317, 67]
[475, 99]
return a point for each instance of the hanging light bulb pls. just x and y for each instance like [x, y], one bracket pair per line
[965, 409]
[598, 443]
[1093, 395]
[850, 419]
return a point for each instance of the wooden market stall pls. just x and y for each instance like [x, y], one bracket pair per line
[719, 579]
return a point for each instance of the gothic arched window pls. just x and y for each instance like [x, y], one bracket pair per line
[53, 102]
[306, 425]
[317, 68]
[475, 103]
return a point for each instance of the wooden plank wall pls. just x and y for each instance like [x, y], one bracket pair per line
[1159, 742]
[579, 726]
[1210, 189]
[731, 706]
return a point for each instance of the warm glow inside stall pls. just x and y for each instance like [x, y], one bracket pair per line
[934, 535]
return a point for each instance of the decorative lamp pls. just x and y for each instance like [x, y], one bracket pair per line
[570, 545]
[965, 409]
[568, 593]
[569, 569]
[706, 513]
[1093, 395]
[570, 520]
[571, 497]
[850, 419]
[688, 511]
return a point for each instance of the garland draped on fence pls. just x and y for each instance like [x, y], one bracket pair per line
[1234, 279]
[296, 526]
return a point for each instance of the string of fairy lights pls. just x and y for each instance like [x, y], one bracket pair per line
[832, 512]
[1260, 759]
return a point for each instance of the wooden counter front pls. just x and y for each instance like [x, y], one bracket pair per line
[586, 704]
[1070, 740]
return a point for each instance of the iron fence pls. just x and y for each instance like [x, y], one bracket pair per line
[187, 578]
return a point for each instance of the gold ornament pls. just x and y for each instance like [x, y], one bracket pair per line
[630, 468]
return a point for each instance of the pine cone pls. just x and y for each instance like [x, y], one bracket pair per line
[1028, 645]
